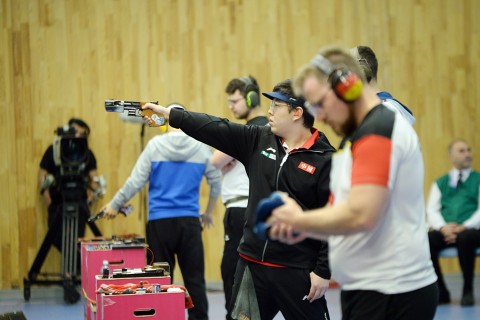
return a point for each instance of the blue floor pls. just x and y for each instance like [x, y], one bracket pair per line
[46, 303]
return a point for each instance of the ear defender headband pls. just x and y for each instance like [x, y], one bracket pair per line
[251, 92]
[346, 84]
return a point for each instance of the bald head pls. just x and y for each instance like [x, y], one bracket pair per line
[460, 154]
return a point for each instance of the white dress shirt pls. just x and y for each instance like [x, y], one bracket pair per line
[434, 205]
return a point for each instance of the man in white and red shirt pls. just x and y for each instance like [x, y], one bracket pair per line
[375, 222]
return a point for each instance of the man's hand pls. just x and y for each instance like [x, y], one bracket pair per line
[282, 222]
[318, 288]
[44, 184]
[156, 108]
[285, 233]
[449, 232]
[206, 220]
[459, 228]
[109, 212]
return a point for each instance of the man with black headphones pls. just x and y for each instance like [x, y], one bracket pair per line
[244, 102]
[375, 223]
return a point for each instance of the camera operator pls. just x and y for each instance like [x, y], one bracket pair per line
[52, 174]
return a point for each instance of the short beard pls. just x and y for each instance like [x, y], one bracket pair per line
[244, 115]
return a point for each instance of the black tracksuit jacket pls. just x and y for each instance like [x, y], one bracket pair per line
[263, 156]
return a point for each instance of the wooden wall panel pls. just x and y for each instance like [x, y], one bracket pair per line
[62, 58]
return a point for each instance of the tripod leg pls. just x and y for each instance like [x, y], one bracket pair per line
[73, 244]
[26, 289]
[68, 211]
[69, 252]
[45, 247]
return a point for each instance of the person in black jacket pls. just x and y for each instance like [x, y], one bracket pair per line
[50, 178]
[244, 103]
[290, 156]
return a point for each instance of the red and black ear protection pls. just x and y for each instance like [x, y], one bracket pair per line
[346, 84]
[251, 92]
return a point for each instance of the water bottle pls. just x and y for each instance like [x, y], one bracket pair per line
[105, 270]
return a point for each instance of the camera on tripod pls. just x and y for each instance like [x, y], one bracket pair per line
[70, 155]
[68, 164]
[70, 151]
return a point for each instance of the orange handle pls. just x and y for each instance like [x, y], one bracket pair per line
[157, 118]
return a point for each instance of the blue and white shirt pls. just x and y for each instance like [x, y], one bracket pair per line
[174, 165]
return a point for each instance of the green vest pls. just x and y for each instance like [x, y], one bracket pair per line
[459, 205]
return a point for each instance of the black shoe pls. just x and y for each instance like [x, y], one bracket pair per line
[444, 297]
[467, 299]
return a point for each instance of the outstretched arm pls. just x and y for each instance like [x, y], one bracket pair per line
[216, 132]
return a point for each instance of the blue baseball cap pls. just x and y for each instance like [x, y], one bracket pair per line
[285, 98]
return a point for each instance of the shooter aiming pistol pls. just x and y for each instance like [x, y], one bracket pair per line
[125, 210]
[134, 109]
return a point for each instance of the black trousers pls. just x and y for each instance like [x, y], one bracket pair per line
[233, 223]
[182, 237]
[420, 304]
[466, 244]
[283, 289]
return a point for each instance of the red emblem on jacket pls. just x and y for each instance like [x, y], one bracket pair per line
[306, 167]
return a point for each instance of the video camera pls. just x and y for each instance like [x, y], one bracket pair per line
[65, 131]
[70, 155]
[70, 152]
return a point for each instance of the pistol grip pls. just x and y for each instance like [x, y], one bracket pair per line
[157, 118]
